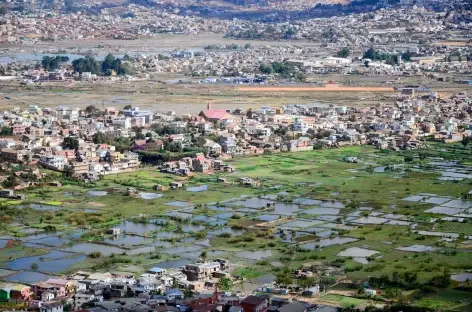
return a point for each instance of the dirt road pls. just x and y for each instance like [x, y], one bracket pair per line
[327, 88]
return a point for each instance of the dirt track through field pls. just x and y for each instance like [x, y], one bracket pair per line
[327, 88]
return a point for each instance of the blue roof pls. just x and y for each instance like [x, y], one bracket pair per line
[174, 292]
[157, 270]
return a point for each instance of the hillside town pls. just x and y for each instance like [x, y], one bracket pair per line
[132, 20]
[407, 41]
[91, 143]
[193, 288]
[235, 155]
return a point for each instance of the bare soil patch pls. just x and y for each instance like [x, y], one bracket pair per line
[453, 43]
[327, 88]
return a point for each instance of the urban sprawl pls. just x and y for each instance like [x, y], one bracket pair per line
[235, 156]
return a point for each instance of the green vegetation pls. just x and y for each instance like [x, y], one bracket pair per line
[344, 52]
[106, 67]
[392, 59]
[248, 273]
[52, 63]
[6, 131]
[416, 278]
[226, 284]
[345, 302]
[70, 143]
[284, 69]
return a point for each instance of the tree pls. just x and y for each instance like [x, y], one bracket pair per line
[406, 56]
[6, 131]
[370, 169]
[140, 136]
[200, 141]
[466, 140]
[266, 68]
[53, 63]
[70, 143]
[249, 113]
[370, 54]
[174, 147]
[100, 138]
[203, 255]
[344, 52]
[165, 129]
[443, 280]
[188, 293]
[307, 282]
[92, 110]
[290, 33]
[225, 284]
[11, 181]
[128, 107]
[34, 266]
[87, 64]
[393, 293]
[284, 278]
[301, 77]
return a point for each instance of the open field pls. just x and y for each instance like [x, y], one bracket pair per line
[191, 98]
[326, 88]
[158, 43]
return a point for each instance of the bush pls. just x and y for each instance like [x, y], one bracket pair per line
[200, 234]
[95, 254]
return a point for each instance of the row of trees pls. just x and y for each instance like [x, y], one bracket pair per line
[52, 63]
[108, 66]
[392, 59]
[409, 280]
[284, 69]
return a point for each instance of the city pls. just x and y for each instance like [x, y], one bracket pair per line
[235, 156]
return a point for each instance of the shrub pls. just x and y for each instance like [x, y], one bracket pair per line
[95, 254]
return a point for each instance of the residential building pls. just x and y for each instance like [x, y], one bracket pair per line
[255, 304]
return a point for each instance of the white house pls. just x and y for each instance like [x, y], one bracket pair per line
[96, 167]
[81, 298]
[122, 122]
[8, 143]
[47, 296]
[370, 292]
[52, 307]
[55, 161]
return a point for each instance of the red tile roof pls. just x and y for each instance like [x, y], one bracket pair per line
[254, 300]
[218, 114]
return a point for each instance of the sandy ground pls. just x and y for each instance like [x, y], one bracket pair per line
[453, 43]
[327, 88]
[182, 98]
[192, 98]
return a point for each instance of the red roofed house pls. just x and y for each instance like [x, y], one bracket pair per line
[41, 287]
[214, 115]
[107, 147]
[255, 304]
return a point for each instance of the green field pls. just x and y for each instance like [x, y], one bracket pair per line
[321, 175]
